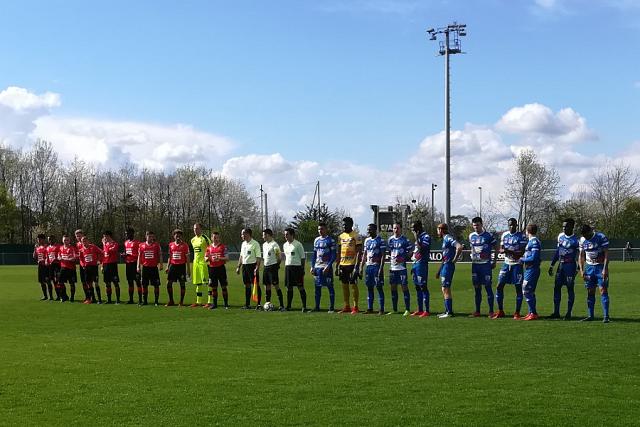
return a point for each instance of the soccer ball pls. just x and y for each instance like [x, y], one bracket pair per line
[268, 306]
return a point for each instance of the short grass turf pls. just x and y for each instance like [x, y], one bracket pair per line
[73, 364]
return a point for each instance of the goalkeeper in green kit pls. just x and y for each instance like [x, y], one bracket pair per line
[200, 276]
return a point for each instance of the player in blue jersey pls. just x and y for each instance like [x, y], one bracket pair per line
[512, 245]
[451, 251]
[531, 263]
[482, 263]
[374, 252]
[420, 268]
[566, 253]
[399, 248]
[594, 268]
[322, 259]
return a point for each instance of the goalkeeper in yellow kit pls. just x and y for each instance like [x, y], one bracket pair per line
[200, 276]
[350, 255]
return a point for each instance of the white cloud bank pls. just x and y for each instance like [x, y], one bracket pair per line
[481, 155]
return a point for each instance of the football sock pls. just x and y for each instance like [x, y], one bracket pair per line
[145, 293]
[489, 292]
[280, 297]
[356, 294]
[289, 297]
[332, 297]
[198, 293]
[381, 297]
[394, 299]
[571, 297]
[557, 298]
[109, 291]
[63, 291]
[303, 296]
[214, 295]
[318, 295]
[259, 294]
[419, 298]
[591, 302]
[72, 290]
[156, 293]
[43, 288]
[604, 298]
[531, 302]
[478, 297]
[370, 298]
[268, 295]
[500, 297]
[345, 294]
[425, 297]
[225, 296]
[170, 292]
[98, 292]
[50, 289]
[210, 295]
[140, 292]
[131, 291]
[183, 291]
[407, 299]
[448, 305]
[247, 295]
[117, 286]
[518, 298]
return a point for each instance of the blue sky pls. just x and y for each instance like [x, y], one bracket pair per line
[306, 83]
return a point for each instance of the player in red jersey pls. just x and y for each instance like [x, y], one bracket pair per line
[90, 256]
[131, 251]
[217, 257]
[68, 261]
[88, 290]
[110, 265]
[178, 265]
[149, 258]
[53, 259]
[40, 255]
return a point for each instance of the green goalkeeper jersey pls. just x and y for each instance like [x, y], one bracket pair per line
[200, 244]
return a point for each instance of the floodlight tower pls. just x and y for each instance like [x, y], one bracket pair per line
[450, 46]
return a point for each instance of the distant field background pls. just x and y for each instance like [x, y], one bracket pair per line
[72, 364]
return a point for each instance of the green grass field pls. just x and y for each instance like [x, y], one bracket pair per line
[103, 365]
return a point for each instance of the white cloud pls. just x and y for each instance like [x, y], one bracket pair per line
[25, 116]
[539, 124]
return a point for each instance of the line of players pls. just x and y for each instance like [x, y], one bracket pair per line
[356, 259]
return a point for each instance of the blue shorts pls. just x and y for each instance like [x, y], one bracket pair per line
[420, 272]
[530, 282]
[593, 277]
[510, 274]
[398, 277]
[566, 274]
[446, 274]
[321, 279]
[481, 274]
[371, 276]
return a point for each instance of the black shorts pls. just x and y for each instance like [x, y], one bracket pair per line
[218, 276]
[54, 272]
[270, 275]
[68, 275]
[43, 273]
[177, 273]
[131, 269]
[91, 274]
[346, 274]
[110, 273]
[248, 273]
[83, 277]
[150, 276]
[293, 275]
